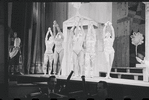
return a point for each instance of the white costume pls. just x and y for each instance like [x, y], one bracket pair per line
[108, 46]
[58, 52]
[48, 55]
[16, 48]
[78, 50]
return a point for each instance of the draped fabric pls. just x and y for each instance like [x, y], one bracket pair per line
[38, 16]
[31, 21]
[34, 32]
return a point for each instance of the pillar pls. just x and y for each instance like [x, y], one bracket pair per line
[147, 31]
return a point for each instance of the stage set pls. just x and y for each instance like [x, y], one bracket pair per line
[97, 64]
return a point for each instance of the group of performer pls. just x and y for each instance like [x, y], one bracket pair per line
[57, 40]
[83, 48]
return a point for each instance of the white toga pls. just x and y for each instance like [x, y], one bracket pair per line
[16, 48]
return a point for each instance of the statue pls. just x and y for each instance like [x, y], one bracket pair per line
[109, 37]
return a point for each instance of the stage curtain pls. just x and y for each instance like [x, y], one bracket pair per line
[33, 40]
[37, 18]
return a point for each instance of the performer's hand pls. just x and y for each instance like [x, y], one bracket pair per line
[109, 23]
[54, 22]
[106, 23]
[56, 25]
[49, 29]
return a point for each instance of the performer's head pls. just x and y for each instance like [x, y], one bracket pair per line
[59, 35]
[102, 88]
[52, 81]
[15, 34]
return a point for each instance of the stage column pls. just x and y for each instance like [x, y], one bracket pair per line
[146, 69]
[146, 30]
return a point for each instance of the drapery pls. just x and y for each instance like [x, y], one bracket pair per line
[35, 17]
[33, 37]
[31, 21]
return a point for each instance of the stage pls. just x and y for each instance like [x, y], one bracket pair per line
[122, 87]
[41, 78]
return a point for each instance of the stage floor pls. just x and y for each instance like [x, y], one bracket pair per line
[92, 80]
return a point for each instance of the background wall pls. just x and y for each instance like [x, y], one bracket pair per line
[99, 11]
[127, 17]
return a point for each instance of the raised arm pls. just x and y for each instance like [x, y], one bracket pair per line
[81, 21]
[46, 38]
[104, 30]
[51, 32]
[112, 29]
[72, 29]
[58, 29]
[54, 26]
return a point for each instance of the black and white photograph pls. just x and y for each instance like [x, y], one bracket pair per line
[112, 60]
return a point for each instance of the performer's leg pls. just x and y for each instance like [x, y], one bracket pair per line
[87, 64]
[111, 59]
[61, 54]
[92, 58]
[44, 68]
[81, 62]
[10, 66]
[55, 61]
[75, 63]
[108, 65]
[51, 57]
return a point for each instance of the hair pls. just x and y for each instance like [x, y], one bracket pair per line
[104, 84]
[49, 79]
[15, 32]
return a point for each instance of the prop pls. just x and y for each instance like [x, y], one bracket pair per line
[137, 39]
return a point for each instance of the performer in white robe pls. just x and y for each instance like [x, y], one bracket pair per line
[14, 52]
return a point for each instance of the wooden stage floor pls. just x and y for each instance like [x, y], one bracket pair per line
[41, 78]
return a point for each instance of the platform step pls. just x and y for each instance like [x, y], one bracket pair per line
[128, 69]
[119, 74]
